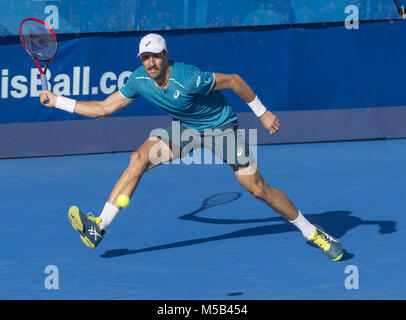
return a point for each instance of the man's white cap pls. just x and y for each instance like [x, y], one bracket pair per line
[152, 43]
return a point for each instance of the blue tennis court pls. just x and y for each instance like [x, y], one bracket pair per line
[166, 246]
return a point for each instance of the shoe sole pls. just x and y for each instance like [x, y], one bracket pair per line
[87, 242]
[74, 219]
[338, 258]
[76, 222]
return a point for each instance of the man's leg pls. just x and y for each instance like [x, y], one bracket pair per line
[142, 160]
[229, 145]
[92, 228]
[252, 181]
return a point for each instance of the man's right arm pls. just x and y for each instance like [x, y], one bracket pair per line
[91, 109]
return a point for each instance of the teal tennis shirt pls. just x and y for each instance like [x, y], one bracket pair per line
[188, 98]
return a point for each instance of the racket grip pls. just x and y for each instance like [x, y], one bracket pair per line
[44, 83]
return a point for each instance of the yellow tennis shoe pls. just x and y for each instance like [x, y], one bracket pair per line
[87, 226]
[330, 246]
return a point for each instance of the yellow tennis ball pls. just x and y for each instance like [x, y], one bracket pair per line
[123, 200]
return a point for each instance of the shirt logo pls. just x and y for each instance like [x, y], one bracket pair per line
[198, 82]
[239, 151]
[176, 94]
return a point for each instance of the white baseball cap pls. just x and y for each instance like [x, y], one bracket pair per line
[152, 43]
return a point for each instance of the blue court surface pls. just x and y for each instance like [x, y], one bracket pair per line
[169, 245]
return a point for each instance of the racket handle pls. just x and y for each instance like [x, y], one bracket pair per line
[44, 83]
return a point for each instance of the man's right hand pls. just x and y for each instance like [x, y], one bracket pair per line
[43, 95]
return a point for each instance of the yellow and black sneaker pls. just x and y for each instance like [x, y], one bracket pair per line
[330, 246]
[87, 226]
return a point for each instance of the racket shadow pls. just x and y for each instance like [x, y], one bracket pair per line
[222, 199]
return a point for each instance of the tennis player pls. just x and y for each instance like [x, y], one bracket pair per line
[194, 100]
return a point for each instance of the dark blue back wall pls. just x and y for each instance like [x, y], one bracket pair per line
[291, 68]
[306, 67]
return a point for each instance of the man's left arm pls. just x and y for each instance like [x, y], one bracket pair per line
[244, 91]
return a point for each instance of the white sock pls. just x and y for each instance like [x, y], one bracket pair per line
[107, 216]
[304, 226]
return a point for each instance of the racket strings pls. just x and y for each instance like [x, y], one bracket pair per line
[39, 40]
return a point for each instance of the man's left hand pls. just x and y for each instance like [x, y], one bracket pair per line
[270, 122]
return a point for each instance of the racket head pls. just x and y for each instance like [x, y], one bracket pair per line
[38, 39]
[221, 198]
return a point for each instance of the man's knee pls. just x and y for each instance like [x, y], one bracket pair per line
[260, 190]
[138, 163]
[257, 189]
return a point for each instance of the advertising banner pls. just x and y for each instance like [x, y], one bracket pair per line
[289, 68]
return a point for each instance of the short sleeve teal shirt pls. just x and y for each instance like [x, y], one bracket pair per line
[188, 98]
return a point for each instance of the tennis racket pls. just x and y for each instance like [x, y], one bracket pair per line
[40, 41]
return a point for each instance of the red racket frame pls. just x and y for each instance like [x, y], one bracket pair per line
[35, 58]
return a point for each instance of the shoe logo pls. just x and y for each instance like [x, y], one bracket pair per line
[93, 232]
[328, 237]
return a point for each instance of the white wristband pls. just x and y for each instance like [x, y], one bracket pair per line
[257, 106]
[66, 104]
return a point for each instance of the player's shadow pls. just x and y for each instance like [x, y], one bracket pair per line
[336, 223]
